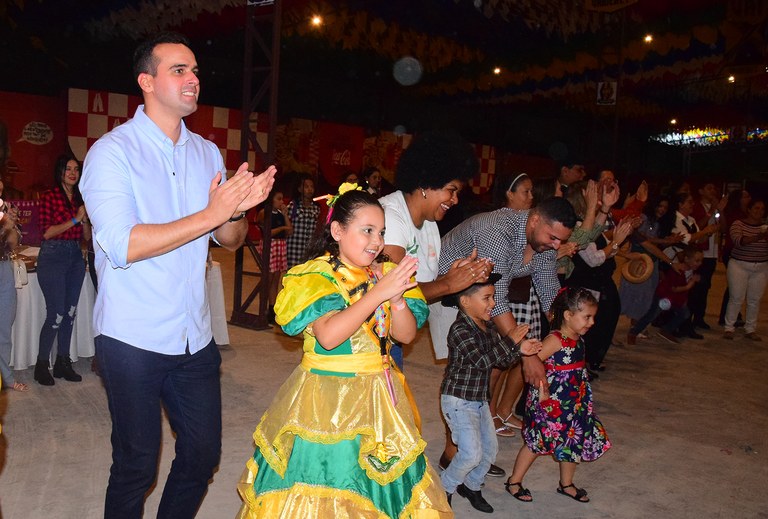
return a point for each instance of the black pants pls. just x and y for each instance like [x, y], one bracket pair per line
[598, 339]
[697, 296]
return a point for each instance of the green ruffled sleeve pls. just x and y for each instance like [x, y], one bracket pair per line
[309, 291]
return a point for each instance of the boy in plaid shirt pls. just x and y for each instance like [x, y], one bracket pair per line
[474, 348]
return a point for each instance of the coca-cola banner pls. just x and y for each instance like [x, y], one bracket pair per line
[341, 151]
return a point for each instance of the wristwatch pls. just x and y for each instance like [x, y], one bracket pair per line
[614, 248]
[238, 217]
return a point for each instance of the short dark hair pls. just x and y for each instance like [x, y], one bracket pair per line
[435, 158]
[557, 209]
[471, 289]
[680, 198]
[144, 60]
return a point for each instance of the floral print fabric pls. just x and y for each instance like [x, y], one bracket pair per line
[565, 425]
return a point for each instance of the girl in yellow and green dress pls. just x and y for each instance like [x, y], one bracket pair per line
[341, 437]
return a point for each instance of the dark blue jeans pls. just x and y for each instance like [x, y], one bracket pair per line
[138, 382]
[60, 272]
[679, 315]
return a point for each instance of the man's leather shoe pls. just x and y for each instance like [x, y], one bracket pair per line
[702, 325]
[694, 335]
[496, 471]
[475, 498]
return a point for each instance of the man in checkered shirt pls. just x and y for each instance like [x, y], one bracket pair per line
[520, 243]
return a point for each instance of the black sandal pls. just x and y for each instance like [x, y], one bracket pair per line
[580, 492]
[520, 494]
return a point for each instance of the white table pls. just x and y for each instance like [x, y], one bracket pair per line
[215, 287]
[30, 316]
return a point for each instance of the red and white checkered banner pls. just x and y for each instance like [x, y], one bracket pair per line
[486, 155]
[92, 113]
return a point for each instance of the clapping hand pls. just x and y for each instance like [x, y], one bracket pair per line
[623, 230]
[610, 195]
[519, 332]
[240, 193]
[394, 283]
[642, 191]
[468, 271]
[530, 347]
[567, 249]
[260, 186]
[591, 195]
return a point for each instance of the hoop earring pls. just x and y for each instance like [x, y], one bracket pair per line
[423, 194]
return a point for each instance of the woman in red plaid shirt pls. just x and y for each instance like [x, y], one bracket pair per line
[60, 268]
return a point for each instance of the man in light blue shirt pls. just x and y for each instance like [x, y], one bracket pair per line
[155, 195]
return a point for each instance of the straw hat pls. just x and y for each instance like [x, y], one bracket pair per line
[638, 269]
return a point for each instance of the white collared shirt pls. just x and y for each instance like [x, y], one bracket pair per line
[136, 175]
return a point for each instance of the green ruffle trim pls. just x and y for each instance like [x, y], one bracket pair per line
[312, 312]
[336, 466]
[418, 308]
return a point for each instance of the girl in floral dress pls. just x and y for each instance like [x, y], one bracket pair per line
[341, 438]
[560, 420]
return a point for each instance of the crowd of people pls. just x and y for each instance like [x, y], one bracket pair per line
[521, 303]
[523, 307]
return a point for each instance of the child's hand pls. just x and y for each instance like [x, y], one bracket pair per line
[530, 347]
[397, 280]
[519, 332]
[543, 392]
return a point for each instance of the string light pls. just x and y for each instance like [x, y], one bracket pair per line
[648, 38]
[497, 70]
[317, 20]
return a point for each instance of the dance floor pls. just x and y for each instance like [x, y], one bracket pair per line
[688, 424]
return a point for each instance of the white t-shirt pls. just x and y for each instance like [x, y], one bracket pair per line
[424, 243]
